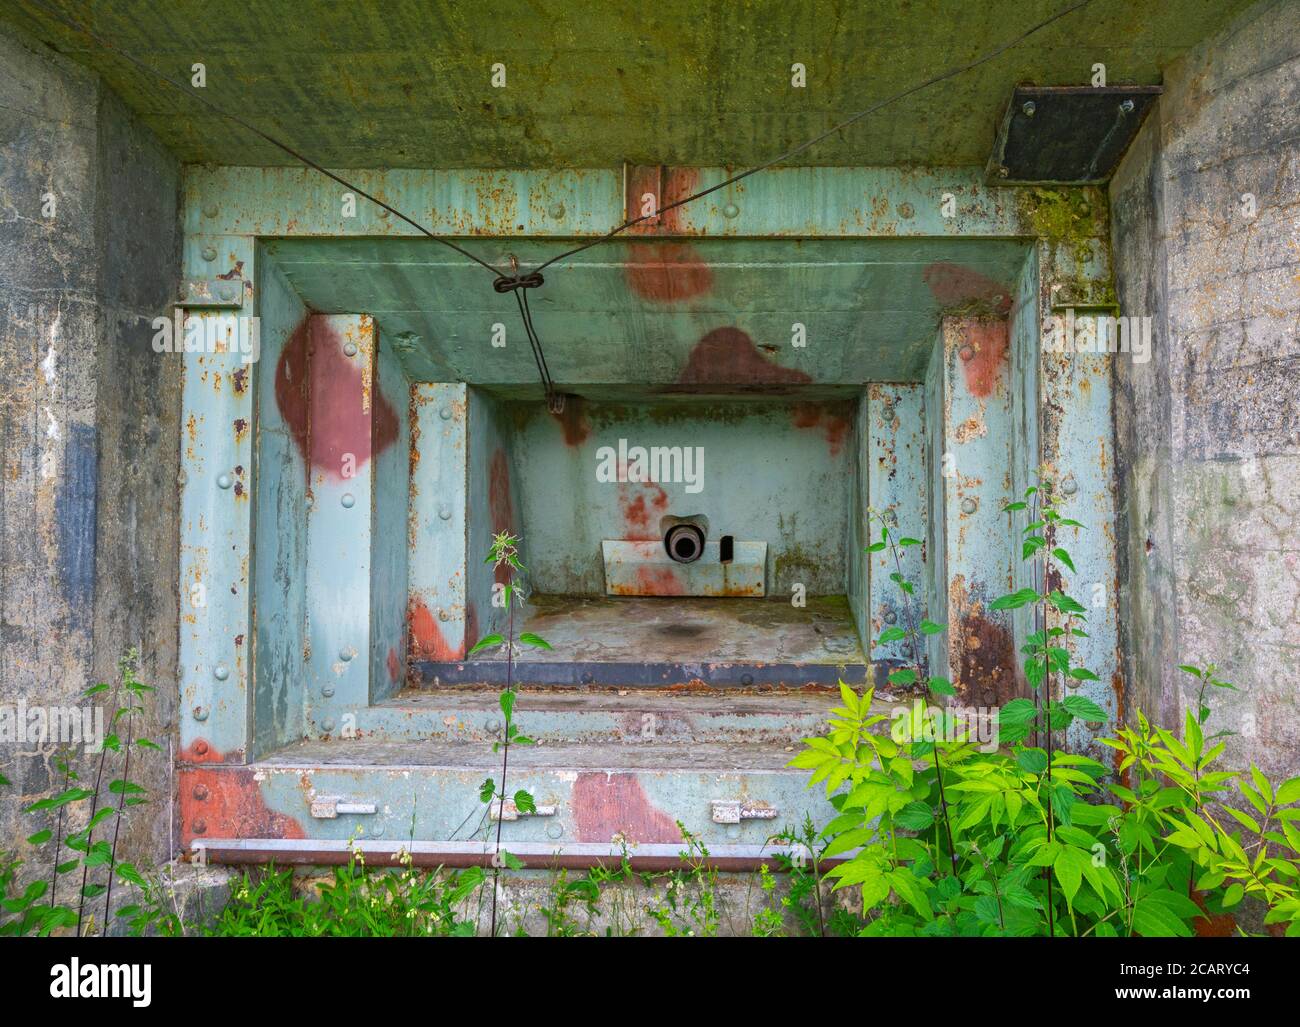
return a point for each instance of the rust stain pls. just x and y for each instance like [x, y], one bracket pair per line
[835, 426]
[988, 363]
[667, 272]
[227, 803]
[605, 805]
[427, 641]
[573, 420]
[953, 285]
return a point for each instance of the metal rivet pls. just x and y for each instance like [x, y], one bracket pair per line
[966, 353]
[730, 210]
[1029, 107]
[554, 831]
[445, 413]
[588, 677]
[443, 615]
[200, 826]
[223, 481]
[327, 725]
[201, 748]
[227, 291]
[327, 692]
[968, 505]
[200, 713]
[891, 617]
[346, 654]
[906, 211]
[209, 253]
[209, 210]
[350, 348]
[1004, 171]
[746, 679]
[444, 512]
[348, 500]
[907, 651]
[1126, 106]
[200, 792]
[556, 210]
[221, 672]
[1069, 486]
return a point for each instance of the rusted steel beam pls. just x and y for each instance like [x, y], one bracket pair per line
[534, 855]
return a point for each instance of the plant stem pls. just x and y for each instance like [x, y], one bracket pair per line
[505, 750]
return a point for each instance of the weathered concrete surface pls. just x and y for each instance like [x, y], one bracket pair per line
[1209, 430]
[88, 537]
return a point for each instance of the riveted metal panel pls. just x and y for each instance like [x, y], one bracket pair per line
[344, 406]
[896, 486]
[436, 532]
[216, 514]
[389, 552]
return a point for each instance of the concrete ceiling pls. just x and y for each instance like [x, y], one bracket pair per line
[706, 317]
[592, 83]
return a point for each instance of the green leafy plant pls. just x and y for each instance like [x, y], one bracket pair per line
[504, 553]
[71, 850]
[687, 906]
[356, 901]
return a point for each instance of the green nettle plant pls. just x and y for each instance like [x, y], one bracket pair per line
[945, 839]
[504, 552]
[61, 902]
[357, 901]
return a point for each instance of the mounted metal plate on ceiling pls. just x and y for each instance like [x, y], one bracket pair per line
[1070, 135]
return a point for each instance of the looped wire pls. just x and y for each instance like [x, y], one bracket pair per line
[510, 283]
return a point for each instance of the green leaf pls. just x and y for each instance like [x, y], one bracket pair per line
[524, 801]
[929, 627]
[486, 643]
[915, 816]
[941, 686]
[62, 799]
[1017, 711]
[875, 547]
[506, 701]
[902, 676]
[1031, 761]
[124, 787]
[536, 641]
[1014, 600]
[40, 837]
[511, 861]
[1064, 557]
[127, 872]
[486, 790]
[1084, 708]
[891, 635]
[905, 542]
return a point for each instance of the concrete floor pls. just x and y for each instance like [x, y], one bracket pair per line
[685, 630]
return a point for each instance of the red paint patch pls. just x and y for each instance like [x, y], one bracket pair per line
[834, 426]
[953, 285]
[321, 395]
[641, 511]
[605, 805]
[227, 803]
[573, 420]
[427, 641]
[667, 272]
[394, 666]
[989, 341]
[728, 356]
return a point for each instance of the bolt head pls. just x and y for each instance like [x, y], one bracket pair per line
[200, 713]
[1126, 106]
[209, 253]
[200, 826]
[1029, 107]
[445, 413]
[348, 500]
[200, 793]
[350, 348]
[730, 211]
[221, 672]
[968, 505]
[556, 211]
[966, 353]
[223, 481]
[346, 654]
[210, 210]
[327, 692]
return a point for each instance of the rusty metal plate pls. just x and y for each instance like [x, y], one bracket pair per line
[645, 569]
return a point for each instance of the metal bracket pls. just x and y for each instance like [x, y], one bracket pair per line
[733, 811]
[327, 807]
[505, 809]
[226, 293]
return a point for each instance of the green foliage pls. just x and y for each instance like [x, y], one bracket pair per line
[687, 907]
[941, 838]
[357, 901]
[60, 899]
